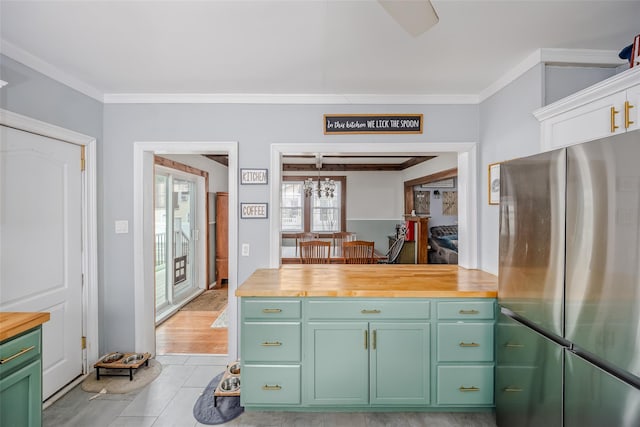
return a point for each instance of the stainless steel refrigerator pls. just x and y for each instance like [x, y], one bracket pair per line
[568, 335]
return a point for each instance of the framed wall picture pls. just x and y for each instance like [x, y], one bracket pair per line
[253, 210]
[254, 176]
[494, 184]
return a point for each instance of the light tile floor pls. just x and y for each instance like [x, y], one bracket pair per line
[169, 400]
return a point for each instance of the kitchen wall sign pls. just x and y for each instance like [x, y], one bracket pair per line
[253, 210]
[254, 176]
[341, 124]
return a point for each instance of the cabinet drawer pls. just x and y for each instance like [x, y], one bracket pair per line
[273, 341]
[17, 351]
[270, 309]
[465, 342]
[368, 309]
[270, 385]
[467, 310]
[465, 385]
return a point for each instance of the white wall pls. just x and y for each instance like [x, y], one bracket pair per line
[255, 127]
[218, 173]
[441, 163]
[508, 130]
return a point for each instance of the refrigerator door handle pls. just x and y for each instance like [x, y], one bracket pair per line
[510, 345]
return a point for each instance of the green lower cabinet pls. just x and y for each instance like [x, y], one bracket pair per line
[264, 385]
[21, 397]
[338, 365]
[400, 363]
[465, 385]
[357, 363]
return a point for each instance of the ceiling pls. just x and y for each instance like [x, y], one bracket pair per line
[300, 47]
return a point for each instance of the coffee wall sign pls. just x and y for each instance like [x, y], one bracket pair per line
[254, 176]
[253, 210]
[341, 124]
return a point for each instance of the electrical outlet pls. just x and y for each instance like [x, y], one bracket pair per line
[245, 249]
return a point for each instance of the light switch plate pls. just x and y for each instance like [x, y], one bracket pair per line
[122, 227]
[245, 249]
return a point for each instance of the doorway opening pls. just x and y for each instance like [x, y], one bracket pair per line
[190, 308]
[181, 265]
[466, 202]
[177, 206]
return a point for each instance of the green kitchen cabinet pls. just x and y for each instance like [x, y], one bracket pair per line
[399, 363]
[338, 365]
[270, 342]
[360, 363]
[367, 353]
[21, 380]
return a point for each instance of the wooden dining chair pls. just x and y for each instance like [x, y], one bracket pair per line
[315, 252]
[358, 252]
[305, 237]
[339, 238]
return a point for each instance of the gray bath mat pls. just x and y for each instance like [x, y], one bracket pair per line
[228, 407]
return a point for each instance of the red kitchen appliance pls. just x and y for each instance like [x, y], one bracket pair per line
[410, 227]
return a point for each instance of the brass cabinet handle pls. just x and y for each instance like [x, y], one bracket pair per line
[469, 312]
[512, 389]
[627, 120]
[18, 354]
[375, 338]
[613, 119]
[465, 389]
[271, 344]
[370, 311]
[271, 387]
[366, 339]
[469, 344]
[509, 345]
[272, 310]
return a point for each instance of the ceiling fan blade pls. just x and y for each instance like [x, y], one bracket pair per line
[415, 16]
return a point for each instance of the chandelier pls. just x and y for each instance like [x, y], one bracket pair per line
[326, 187]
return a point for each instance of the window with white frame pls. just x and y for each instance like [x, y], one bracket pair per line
[311, 213]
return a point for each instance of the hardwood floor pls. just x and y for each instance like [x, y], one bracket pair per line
[190, 332]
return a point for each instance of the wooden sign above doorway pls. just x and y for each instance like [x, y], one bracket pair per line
[341, 124]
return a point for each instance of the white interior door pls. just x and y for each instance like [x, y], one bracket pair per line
[41, 246]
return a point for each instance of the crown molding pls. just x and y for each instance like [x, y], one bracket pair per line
[18, 54]
[257, 98]
[613, 84]
[577, 57]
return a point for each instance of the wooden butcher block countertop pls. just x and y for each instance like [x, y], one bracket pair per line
[14, 323]
[374, 280]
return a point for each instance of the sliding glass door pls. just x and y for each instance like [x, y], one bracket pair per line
[176, 233]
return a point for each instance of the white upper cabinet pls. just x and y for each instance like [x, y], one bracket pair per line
[601, 110]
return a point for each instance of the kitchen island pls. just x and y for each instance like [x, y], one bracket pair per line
[368, 337]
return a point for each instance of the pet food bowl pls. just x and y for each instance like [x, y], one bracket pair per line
[112, 357]
[234, 368]
[133, 358]
[230, 384]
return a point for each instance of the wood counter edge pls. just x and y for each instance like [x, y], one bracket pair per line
[366, 294]
[15, 323]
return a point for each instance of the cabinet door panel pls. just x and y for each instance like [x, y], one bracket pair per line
[400, 363]
[271, 341]
[465, 342]
[270, 385]
[270, 309]
[585, 123]
[633, 111]
[338, 368]
[465, 385]
[21, 397]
